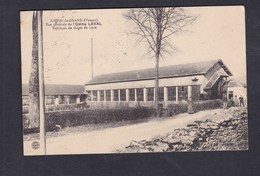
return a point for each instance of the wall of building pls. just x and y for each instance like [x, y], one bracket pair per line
[171, 89]
[57, 99]
[237, 91]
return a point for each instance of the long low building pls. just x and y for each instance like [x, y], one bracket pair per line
[58, 94]
[201, 80]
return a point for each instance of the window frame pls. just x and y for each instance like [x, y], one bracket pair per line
[115, 92]
[131, 93]
[140, 94]
[122, 94]
[171, 93]
[150, 94]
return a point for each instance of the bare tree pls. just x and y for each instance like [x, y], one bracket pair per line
[155, 26]
[34, 78]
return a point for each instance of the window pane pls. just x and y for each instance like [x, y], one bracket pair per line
[72, 99]
[161, 94]
[140, 94]
[122, 95]
[150, 94]
[183, 93]
[171, 93]
[115, 95]
[101, 95]
[49, 100]
[88, 96]
[108, 95]
[131, 94]
[95, 95]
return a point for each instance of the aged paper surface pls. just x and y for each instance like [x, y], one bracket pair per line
[99, 78]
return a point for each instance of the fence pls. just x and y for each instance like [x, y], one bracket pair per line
[61, 107]
[111, 105]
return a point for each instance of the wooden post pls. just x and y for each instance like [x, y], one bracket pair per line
[41, 86]
[98, 95]
[165, 94]
[127, 95]
[78, 99]
[135, 95]
[105, 96]
[145, 94]
[91, 95]
[112, 95]
[189, 92]
[177, 94]
[119, 97]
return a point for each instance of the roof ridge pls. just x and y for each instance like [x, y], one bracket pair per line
[152, 68]
[185, 69]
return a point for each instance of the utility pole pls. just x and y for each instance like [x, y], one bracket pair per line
[92, 58]
[41, 85]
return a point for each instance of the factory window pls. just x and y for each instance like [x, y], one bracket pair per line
[115, 95]
[101, 95]
[108, 95]
[122, 95]
[131, 94]
[183, 93]
[150, 94]
[161, 94]
[171, 93]
[140, 94]
[88, 96]
[94, 95]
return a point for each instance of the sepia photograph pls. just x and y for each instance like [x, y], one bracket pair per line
[134, 80]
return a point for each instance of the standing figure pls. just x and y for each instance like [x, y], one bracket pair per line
[236, 102]
[241, 101]
[160, 108]
[225, 102]
[190, 106]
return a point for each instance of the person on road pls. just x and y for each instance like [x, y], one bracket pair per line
[236, 102]
[190, 106]
[160, 104]
[241, 101]
[225, 102]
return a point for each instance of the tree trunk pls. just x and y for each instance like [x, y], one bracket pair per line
[156, 95]
[157, 58]
[34, 79]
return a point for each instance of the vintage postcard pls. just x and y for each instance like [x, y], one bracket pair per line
[99, 81]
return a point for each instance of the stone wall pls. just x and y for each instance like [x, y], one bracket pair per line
[214, 134]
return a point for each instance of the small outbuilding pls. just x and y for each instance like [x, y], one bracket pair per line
[58, 94]
[236, 89]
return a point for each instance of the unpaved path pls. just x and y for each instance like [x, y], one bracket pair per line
[110, 139]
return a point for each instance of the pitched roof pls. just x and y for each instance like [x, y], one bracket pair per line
[57, 89]
[198, 68]
[235, 83]
[215, 77]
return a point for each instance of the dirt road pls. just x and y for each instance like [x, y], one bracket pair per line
[110, 139]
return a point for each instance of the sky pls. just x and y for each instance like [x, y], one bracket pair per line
[218, 33]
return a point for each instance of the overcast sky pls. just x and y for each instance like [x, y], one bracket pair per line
[218, 33]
